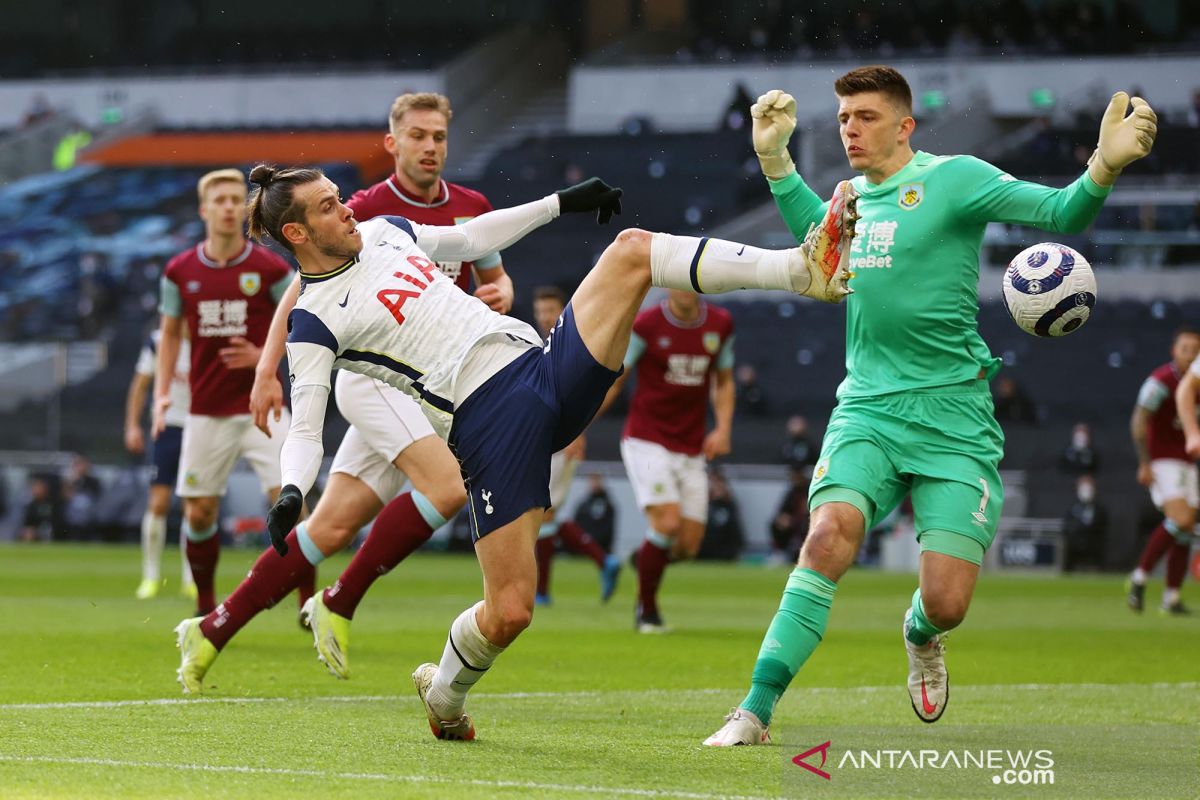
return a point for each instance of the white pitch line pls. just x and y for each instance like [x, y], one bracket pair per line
[612, 693]
[607, 791]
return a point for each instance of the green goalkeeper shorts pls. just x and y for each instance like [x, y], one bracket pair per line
[941, 444]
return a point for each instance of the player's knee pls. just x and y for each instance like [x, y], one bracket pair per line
[510, 619]
[632, 246]
[633, 243]
[828, 548]
[1185, 519]
[448, 497]
[945, 610]
[201, 514]
[159, 504]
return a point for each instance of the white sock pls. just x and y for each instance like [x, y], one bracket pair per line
[154, 537]
[185, 577]
[1170, 597]
[712, 266]
[1138, 577]
[467, 656]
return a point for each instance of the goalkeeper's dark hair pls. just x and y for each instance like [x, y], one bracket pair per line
[272, 204]
[877, 78]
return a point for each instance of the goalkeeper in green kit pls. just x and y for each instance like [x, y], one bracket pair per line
[914, 413]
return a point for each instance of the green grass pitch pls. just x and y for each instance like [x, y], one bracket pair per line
[580, 706]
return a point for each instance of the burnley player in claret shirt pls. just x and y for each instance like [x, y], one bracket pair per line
[224, 290]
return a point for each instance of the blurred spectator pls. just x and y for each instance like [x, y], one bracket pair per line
[751, 400]
[737, 113]
[723, 538]
[80, 492]
[1080, 457]
[1085, 528]
[43, 512]
[1012, 403]
[798, 452]
[596, 513]
[39, 110]
[790, 524]
[1193, 114]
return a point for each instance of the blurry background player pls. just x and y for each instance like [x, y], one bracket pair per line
[225, 290]
[548, 305]
[165, 458]
[1164, 467]
[682, 350]
[389, 443]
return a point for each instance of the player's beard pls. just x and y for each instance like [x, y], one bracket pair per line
[343, 249]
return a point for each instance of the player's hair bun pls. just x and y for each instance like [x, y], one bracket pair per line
[262, 175]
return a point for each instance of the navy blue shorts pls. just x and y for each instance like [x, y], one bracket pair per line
[166, 456]
[506, 431]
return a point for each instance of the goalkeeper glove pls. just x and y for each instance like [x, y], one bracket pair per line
[591, 195]
[1123, 139]
[773, 121]
[283, 516]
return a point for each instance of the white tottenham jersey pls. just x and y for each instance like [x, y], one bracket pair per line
[392, 315]
[180, 390]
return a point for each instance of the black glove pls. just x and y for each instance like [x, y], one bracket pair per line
[591, 195]
[283, 516]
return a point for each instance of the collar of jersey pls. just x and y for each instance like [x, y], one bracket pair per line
[305, 278]
[678, 323]
[398, 190]
[919, 159]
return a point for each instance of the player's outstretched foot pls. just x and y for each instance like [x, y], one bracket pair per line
[1135, 596]
[649, 622]
[608, 577]
[461, 729]
[1176, 609]
[540, 599]
[928, 682]
[740, 728]
[822, 269]
[331, 635]
[196, 655]
[147, 589]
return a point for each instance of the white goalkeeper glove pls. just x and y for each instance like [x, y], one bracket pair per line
[1123, 139]
[774, 120]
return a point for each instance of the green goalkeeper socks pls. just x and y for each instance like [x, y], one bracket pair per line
[795, 632]
[917, 627]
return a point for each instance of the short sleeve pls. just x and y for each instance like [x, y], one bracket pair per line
[725, 357]
[1152, 394]
[170, 301]
[637, 346]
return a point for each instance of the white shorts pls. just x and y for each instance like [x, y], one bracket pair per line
[383, 422]
[212, 446]
[659, 476]
[1174, 480]
[562, 472]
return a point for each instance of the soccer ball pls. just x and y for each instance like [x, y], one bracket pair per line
[1049, 289]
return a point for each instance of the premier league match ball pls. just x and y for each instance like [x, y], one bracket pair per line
[1049, 289]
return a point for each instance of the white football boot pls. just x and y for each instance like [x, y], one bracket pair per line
[462, 729]
[928, 682]
[821, 265]
[740, 728]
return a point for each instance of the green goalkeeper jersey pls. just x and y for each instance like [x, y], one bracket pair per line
[911, 322]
